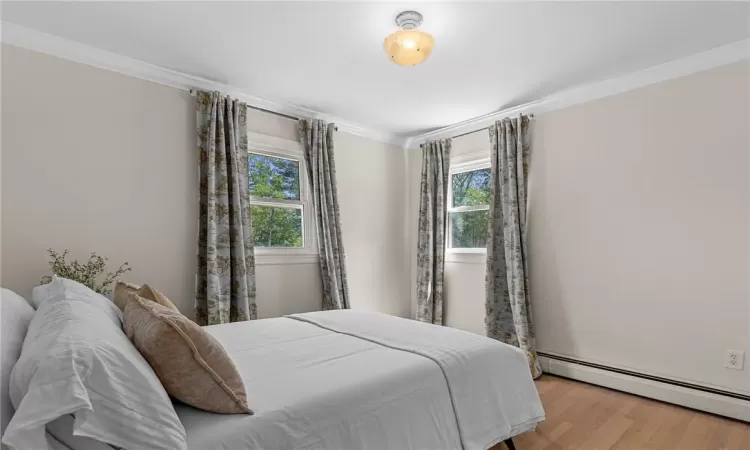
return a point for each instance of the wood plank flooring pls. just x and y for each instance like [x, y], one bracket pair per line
[586, 417]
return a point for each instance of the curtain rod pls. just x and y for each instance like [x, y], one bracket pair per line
[193, 92]
[473, 131]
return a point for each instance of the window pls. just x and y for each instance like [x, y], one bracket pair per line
[468, 208]
[279, 202]
[276, 208]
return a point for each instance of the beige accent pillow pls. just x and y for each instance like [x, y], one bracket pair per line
[123, 291]
[149, 293]
[191, 364]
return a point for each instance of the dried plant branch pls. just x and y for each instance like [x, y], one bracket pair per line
[87, 273]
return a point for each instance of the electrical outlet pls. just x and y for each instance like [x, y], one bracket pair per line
[735, 360]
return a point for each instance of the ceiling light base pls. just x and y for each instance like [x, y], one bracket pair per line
[408, 20]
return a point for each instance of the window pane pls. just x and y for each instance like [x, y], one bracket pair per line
[471, 188]
[469, 229]
[276, 226]
[273, 177]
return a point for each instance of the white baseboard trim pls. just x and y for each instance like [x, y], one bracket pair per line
[678, 395]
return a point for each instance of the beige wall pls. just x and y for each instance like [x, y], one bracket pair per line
[371, 195]
[98, 162]
[638, 230]
[94, 161]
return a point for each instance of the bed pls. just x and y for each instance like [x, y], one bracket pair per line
[359, 380]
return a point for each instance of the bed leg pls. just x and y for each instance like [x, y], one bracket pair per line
[510, 444]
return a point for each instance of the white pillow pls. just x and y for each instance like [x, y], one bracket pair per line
[46, 291]
[43, 292]
[16, 316]
[77, 360]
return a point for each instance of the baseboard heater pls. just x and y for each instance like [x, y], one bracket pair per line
[682, 384]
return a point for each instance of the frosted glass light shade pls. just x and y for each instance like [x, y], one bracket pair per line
[408, 47]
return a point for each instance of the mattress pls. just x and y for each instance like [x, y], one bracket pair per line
[315, 387]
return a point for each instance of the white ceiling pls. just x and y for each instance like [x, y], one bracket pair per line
[328, 56]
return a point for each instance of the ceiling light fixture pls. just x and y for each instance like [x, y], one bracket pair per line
[408, 46]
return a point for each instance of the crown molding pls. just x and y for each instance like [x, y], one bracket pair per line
[85, 54]
[62, 48]
[369, 133]
[677, 68]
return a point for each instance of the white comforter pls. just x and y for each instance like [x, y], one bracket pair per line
[355, 380]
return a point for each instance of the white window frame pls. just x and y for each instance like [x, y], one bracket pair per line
[460, 166]
[283, 148]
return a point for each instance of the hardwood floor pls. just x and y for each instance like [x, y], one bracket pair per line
[586, 417]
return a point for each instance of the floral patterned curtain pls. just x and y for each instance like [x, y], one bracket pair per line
[433, 197]
[508, 305]
[317, 138]
[225, 277]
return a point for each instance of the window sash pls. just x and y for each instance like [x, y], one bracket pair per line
[469, 166]
[297, 205]
[292, 151]
[449, 231]
[280, 202]
[482, 207]
[284, 203]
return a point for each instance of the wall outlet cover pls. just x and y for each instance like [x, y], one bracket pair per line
[735, 360]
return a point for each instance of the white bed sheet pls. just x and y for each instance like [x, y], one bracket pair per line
[490, 385]
[315, 389]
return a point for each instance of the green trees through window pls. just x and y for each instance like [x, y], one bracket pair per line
[276, 207]
[469, 209]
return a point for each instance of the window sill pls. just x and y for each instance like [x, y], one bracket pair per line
[466, 255]
[280, 258]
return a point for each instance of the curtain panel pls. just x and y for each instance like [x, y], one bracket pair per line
[317, 139]
[508, 305]
[433, 197]
[225, 275]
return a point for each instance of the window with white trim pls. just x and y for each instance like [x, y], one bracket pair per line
[468, 207]
[280, 206]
